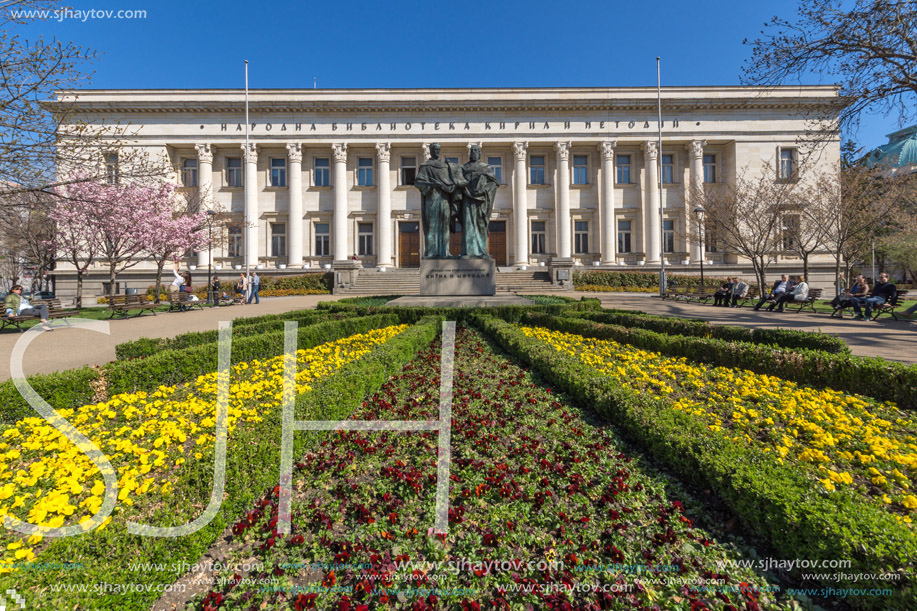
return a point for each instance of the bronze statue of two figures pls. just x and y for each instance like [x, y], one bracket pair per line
[456, 193]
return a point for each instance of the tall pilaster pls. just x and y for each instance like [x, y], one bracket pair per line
[651, 238]
[294, 227]
[609, 231]
[696, 181]
[205, 191]
[562, 209]
[384, 207]
[520, 206]
[339, 222]
[251, 204]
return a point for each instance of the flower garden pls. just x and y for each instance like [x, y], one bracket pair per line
[598, 460]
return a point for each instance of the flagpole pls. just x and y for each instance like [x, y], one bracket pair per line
[662, 283]
[244, 166]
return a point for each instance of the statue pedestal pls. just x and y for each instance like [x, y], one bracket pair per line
[458, 277]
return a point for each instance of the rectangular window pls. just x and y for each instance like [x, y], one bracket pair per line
[322, 239]
[668, 236]
[790, 231]
[233, 171]
[452, 159]
[322, 167]
[580, 169]
[787, 170]
[234, 243]
[365, 239]
[189, 172]
[581, 237]
[112, 171]
[364, 171]
[710, 240]
[278, 239]
[278, 172]
[623, 165]
[539, 236]
[408, 170]
[536, 167]
[496, 164]
[668, 169]
[710, 168]
[624, 234]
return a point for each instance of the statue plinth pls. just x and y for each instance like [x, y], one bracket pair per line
[458, 277]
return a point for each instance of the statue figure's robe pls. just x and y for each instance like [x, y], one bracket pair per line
[440, 184]
[477, 204]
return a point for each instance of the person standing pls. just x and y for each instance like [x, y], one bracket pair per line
[17, 305]
[255, 285]
[241, 287]
[177, 283]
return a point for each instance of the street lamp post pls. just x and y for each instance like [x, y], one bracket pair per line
[210, 215]
[699, 212]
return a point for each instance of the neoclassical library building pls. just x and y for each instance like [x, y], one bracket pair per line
[328, 174]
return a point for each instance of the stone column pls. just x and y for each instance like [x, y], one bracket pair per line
[294, 230]
[384, 207]
[696, 154]
[651, 203]
[204, 191]
[609, 230]
[339, 222]
[520, 206]
[251, 204]
[562, 207]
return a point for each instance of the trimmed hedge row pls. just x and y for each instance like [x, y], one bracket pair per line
[77, 387]
[777, 502]
[874, 377]
[646, 280]
[146, 346]
[784, 338]
[411, 315]
[252, 468]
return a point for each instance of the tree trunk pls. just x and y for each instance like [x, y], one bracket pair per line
[837, 276]
[805, 266]
[79, 289]
[112, 277]
[158, 285]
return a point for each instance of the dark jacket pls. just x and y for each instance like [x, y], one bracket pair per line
[888, 290]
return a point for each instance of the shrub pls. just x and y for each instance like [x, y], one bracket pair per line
[634, 280]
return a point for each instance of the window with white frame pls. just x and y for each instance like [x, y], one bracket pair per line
[710, 168]
[788, 163]
[278, 239]
[790, 231]
[322, 239]
[364, 171]
[536, 170]
[580, 169]
[233, 171]
[452, 159]
[623, 166]
[112, 171]
[234, 241]
[365, 239]
[408, 170]
[624, 236]
[189, 172]
[496, 164]
[278, 172]
[321, 174]
[668, 235]
[581, 237]
[668, 169]
[539, 237]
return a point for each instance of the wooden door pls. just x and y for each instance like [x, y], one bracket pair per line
[496, 242]
[408, 244]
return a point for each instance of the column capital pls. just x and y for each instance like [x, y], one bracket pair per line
[384, 151]
[607, 149]
[519, 149]
[294, 152]
[251, 154]
[650, 149]
[425, 148]
[563, 150]
[479, 144]
[340, 152]
[204, 153]
[696, 148]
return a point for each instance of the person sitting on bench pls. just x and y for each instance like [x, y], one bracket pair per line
[799, 294]
[17, 305]
[883, 292]
[780, 287]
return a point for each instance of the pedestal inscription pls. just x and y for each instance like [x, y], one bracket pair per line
[457, 277]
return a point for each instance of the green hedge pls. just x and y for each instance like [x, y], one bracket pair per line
[874, 377]
[74, 388]
[311, 283]
[252, 468]
[411, 315]
[777, 503]
[783, 338]
[648, 280]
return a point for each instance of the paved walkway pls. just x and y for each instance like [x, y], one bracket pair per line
[886, 338]
[65, 348]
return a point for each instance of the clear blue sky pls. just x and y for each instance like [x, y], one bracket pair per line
[356, 44]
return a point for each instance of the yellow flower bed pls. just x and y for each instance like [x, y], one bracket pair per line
[47, 480]
[848, 440]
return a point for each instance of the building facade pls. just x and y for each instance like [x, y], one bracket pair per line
[328, 174]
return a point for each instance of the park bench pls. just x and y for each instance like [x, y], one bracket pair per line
[703, 294]
[181, 301]
[814, 294]
[55, 310]
[121, 305]
[890, 306]
[750, 295]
